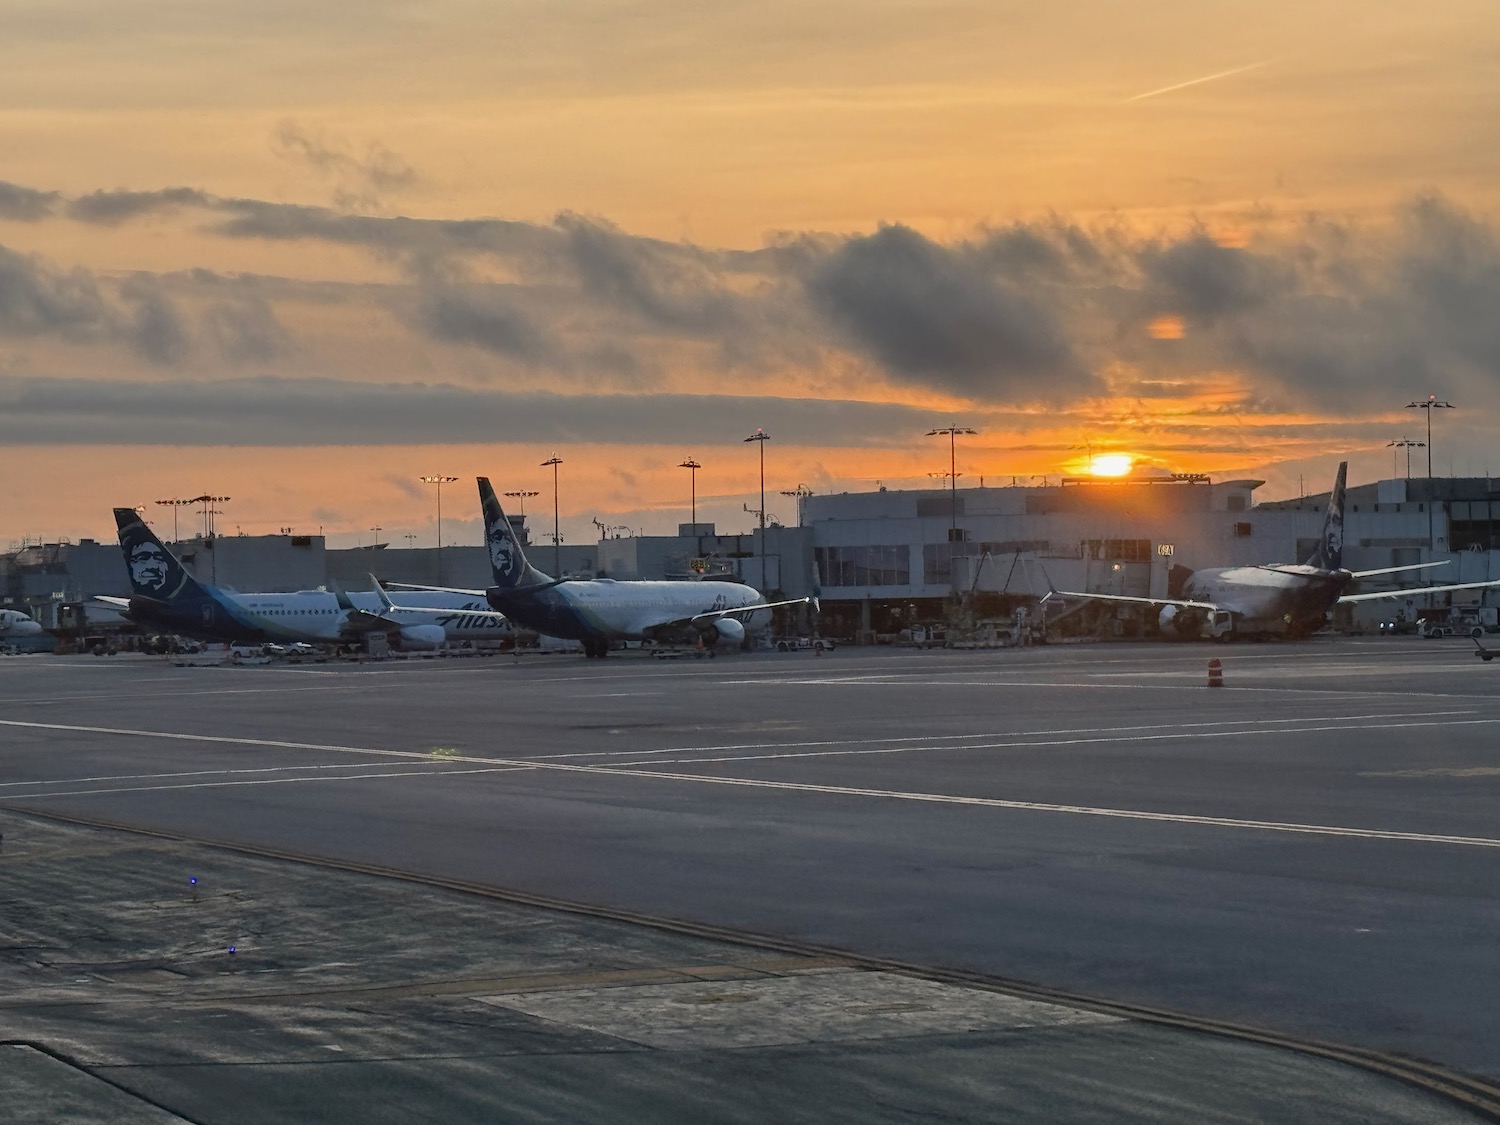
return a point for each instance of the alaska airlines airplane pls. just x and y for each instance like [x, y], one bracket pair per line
[166, 597]
[597, 611]
[1274, 599]
[14, 624]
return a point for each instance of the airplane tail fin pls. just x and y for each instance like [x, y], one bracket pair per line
[1330, 552]
[154, 571]
[508, 562]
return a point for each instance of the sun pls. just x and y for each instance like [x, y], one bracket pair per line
[1111, 465]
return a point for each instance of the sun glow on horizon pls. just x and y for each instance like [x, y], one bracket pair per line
[1111, 465]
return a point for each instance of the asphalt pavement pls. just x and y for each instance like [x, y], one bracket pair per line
[1309, 849]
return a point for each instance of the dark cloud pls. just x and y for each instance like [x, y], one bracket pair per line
[1201, 280]
[37, 301]
[154, 327]
[418, 239]
[324, 412]
[247, 331]
[361, 179]
[671, 287]
[486, 316]
[24, 204]
[929, 315]
[111, 208]
[1311, 314]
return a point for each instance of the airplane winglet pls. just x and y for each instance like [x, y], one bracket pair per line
[385, 599]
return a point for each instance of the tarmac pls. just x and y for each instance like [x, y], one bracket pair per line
[1049, 885]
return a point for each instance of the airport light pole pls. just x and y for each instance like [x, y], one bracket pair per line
[1432, 403]
[692, 467]
[555, 461]
[209, 511]
[521, 497]
[952, 432]
[439, 481]
[760, 437]
[1406, 444]
[174, 504]
[800, 493]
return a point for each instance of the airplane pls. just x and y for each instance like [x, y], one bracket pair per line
[166, 597]
[14, 625]
[1282, 600]
[599, 611]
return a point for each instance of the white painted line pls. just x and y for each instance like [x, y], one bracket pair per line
[432, 771]
[803, 787]
[1022, 744]
[930, 740]
[430, 760]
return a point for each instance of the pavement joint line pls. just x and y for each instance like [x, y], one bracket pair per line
[1290, 827]
[430, 772]
[203, 773]
[1472, 1092]
[1227, 689]
[930, 743]
[1022, 745]
[990, 734]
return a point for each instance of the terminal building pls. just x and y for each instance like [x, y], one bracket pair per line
[889, 560]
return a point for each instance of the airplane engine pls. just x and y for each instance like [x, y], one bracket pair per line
[725, 631]
[422, 637]
[1175, 621]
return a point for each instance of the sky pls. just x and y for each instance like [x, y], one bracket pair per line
[302, 255]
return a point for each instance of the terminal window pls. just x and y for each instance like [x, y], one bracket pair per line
[864, 566]
[1119, 550]
[1471, 524]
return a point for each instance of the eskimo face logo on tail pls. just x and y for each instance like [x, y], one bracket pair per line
[150, 567]
[503, 552]
[1333, 537]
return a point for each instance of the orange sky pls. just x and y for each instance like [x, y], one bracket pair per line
[1230, 238]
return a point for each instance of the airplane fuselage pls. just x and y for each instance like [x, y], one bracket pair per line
[314, 616]
[1277, 601]
[602, 609]
[14, 623]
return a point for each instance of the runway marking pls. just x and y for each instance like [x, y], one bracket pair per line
[96, 779]
[936, 738]
[430, 771]
[1074, 685]
[1025, 745]
[91, 697]
[510, 765]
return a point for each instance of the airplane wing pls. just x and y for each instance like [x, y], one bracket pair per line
[736, 609]
[112, 602]
[1395, 569]
[359, 621]
[433, 589]
[1414, 590]
[1184, 602]
[650, 625]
